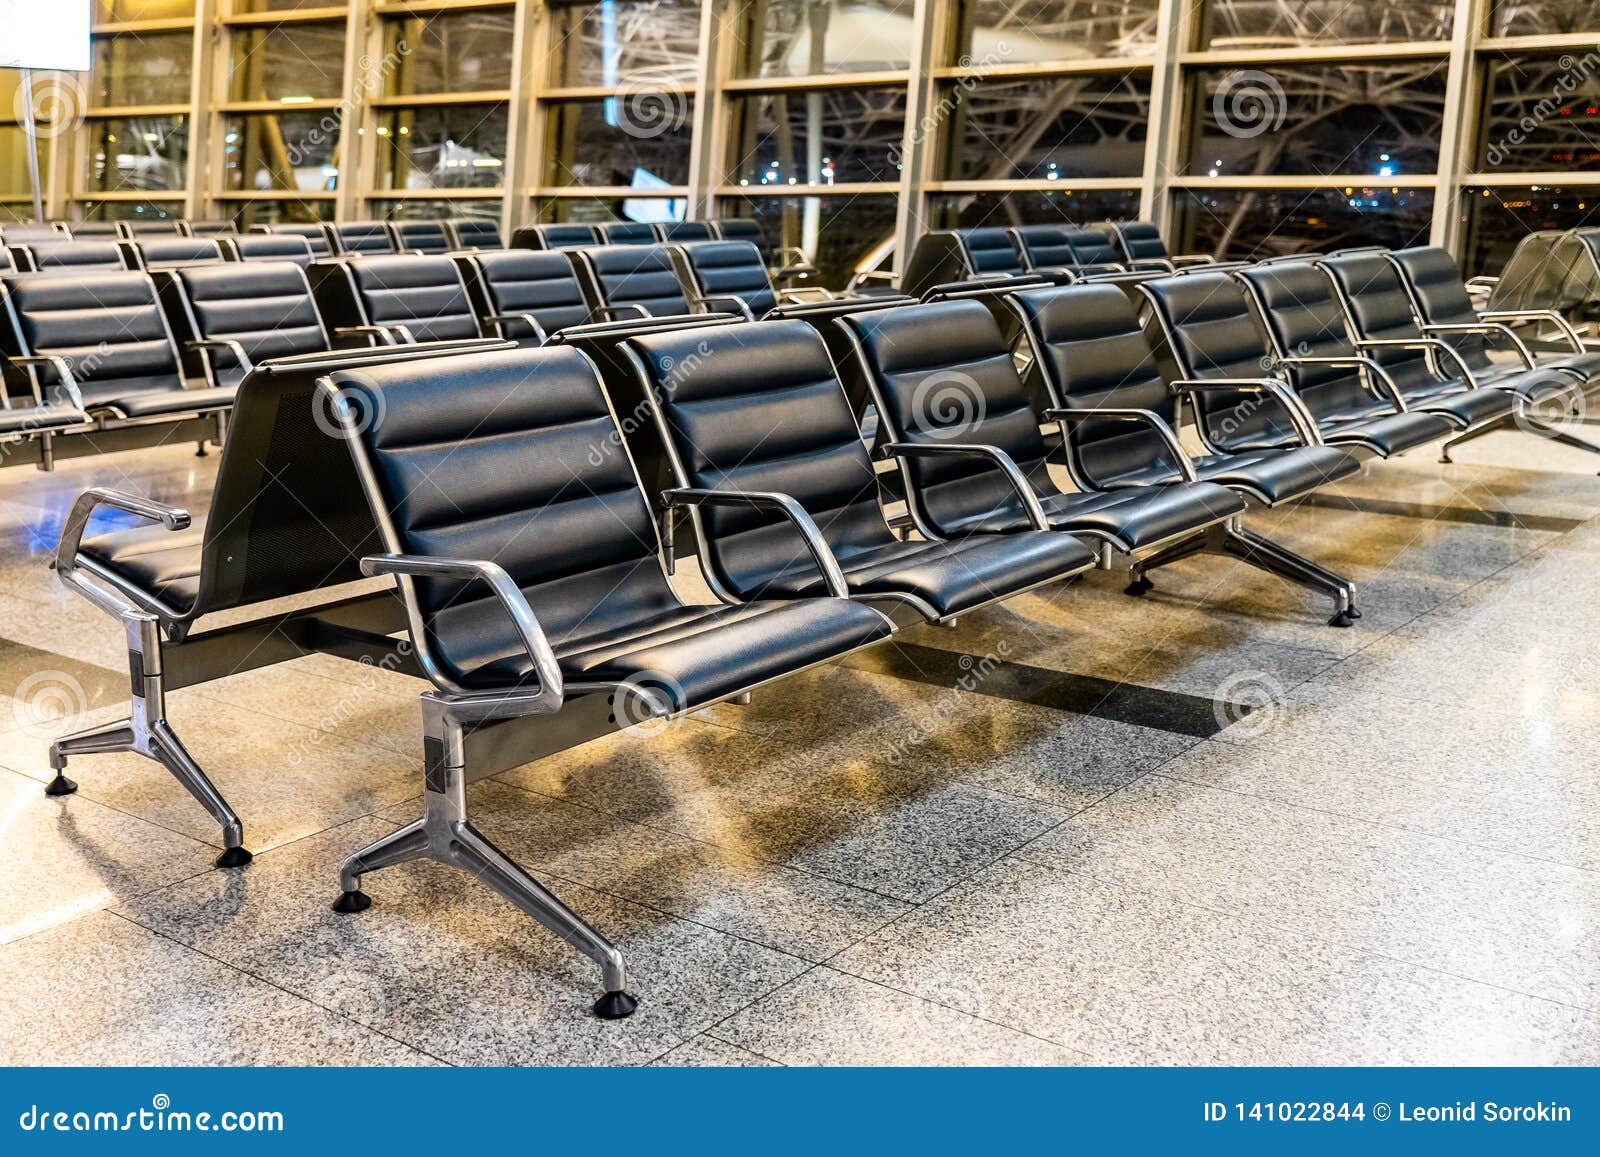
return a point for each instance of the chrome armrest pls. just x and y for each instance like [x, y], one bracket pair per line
[866, 275]
[63, 372]
[1002, 462]
[1371, 365]
[498, 320]
[1194, 259]
[740, 305]
[808, 293]
[1487, 328]
[1426, 343]
[1554, 317]
[552, 688]
[1158, 264]
[832, 574]
[1066, 414]
[609, 312]
[1299, 417]
[385, 334]
[77, 521]
[208, 345]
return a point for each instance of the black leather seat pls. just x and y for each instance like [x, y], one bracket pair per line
[1383, 327]
[359, 237]
[1439, 295]
[505, 440]
[622, 281]
[758, 409]
[169, 252]
[98, 230]
[988, 251]
[110, 330]
[26, 233]
[1141, 245]
[739, 229]
[1295, 334]
[427, 237]
[314, 233]
[267, 247]
[1093, 356]
[1047, 249]
[394, 299]
[727, 274]
[683, 232]
[72, 256]
[473, 233]
[560, 236]
[264, 307]
[627, 233]
[943, 374]
[159, 227]
[524, 294]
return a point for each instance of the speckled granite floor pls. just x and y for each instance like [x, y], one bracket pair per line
[1195, 828]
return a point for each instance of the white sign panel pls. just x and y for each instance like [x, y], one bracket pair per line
[50, 34]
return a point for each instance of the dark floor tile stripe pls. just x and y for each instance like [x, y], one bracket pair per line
[1173, 711]
[1467, 515]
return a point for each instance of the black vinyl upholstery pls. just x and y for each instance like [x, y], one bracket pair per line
[1044, 246]
[267, 247]
[505, 442]
[427, 237]
[683, 232]
[316, 236]
[27, 234]
[740, 229]
[1092, 247]
[988, 250]
[729, 269]
[44, 256]
[473, 233]
[360, 237]
[759, 409]
[167, 227]
[562, 236]
[98, 230]
[264, 306]
[943, 373]
[1094, 354]
[1140, 241]
[170, 252]
[627, 233]
[512, 282]
[616, 277]
[110, 330]
[425, 295]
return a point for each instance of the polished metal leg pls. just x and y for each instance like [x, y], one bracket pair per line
[148, 732]
[1472, 436]
[446, 835]
[1139, 569]
[1544, 430]
[1249, 547]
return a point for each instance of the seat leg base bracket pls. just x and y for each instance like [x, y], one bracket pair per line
[1232, 539]
[445, 834]
[147, 732]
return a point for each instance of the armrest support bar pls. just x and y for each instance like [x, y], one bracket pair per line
[552, 688]
[1001, 460]
[1487, 328]
[209, 345]
[832, 574]
[740, 305]
[384, 334]
[1068, 414]
[63, 371]
[1371, 365]
[1554, 317]
[609, 312]
[1426, 343]
[1299, 417]
[77, 521]
[499, 320]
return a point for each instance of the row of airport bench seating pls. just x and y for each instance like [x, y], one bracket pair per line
[528, 499]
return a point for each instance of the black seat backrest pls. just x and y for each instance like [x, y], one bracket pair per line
[509, 282]
[680, 232]
[562, 236]
[1092, 247]
[1438, 293]
[627, 233]
[1044, 246]
[424, 294]
[418, 237]
[1378, 308]
[988, 250]
[29, 232]
[524, 488]
[108, 327]
[215, 228]
[729, 269]
[73, 255]
[360, 237]
[264, 306]
[98, 230]
[287, 513]
[943, 372]
[936, 258]
[170, 252]
[473, 233]
[1141, 241]
[740, 229]
[1092, 352]
[7, 262]
[161, 227]
[625, 275]
[315, 234]
[823, 316]
[759, 408]
[266, 247]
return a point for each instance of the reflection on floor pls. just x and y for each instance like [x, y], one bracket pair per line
[1195, 828]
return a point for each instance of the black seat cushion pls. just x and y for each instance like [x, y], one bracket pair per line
[1386, 434]
[164, 563]
[731, 269]
[535, 282]
[634, 275]
[1044, 246]
[264, 306]
[1271, 475]
[424, 294]
[419, 237]
[171, 403]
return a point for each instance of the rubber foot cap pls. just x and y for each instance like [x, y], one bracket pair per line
[615, 1006]
[1139, 586]
[1342, 619]
[357, 901]
[234, 858]
[60, 785]
[1353, 613]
